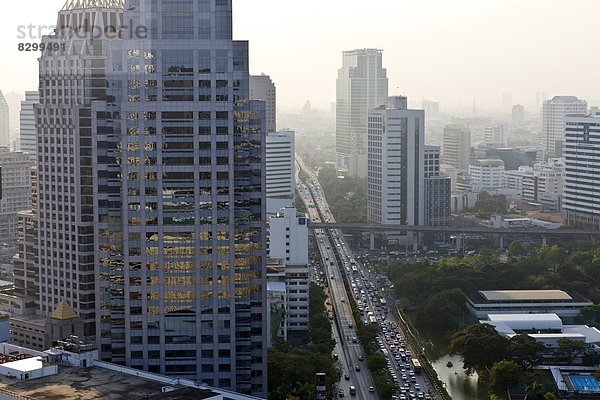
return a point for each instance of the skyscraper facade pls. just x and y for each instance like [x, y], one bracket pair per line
[554, 112]
[27, 130]
[362, 85]
[71, 78]
[4, 122]
[152, 189]
[263, 88]
[456, 150]
[396, 181]
[581, 189]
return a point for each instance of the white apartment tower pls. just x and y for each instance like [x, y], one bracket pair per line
[396, 181]
[554, 112]
[581, 194]
[4, 122]
[281, 170]
[362, 85]
[456, 149]
[263, 88]
[27, 130]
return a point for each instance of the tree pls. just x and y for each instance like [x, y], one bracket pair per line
[525, 350]
[534, 392]
[569, 350]
[549, 396]
[502, 374]
[376, 362]
[516, 249]
[480, 347]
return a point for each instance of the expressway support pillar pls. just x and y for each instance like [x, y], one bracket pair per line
[501, 242]
[544, 240]
[372, 241]
[415, 241]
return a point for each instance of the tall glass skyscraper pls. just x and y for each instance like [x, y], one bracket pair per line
[155, 230]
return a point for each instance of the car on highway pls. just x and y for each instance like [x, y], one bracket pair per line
[347, 377]
[371, 389]
[341, 392]
[357, 368]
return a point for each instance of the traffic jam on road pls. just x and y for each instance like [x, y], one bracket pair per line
[404, 369]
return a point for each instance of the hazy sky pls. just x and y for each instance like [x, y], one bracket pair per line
[433, 49]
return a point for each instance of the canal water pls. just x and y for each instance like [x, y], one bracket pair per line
[458, 384]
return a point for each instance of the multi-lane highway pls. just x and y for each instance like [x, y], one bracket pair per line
[348, 351]
[366, 293]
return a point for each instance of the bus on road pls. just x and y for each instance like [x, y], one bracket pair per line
[416, 364]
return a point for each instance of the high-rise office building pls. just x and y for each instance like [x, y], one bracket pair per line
[16, 191]
[281, 170]
[518, 116]
[263, 88]
[581, 191]
[152, 189]
[396, 188]
[362, 85]
[554, 112]
[27, 130]
[456, 149]
[70, 80]
[438, 190]
[4, 122]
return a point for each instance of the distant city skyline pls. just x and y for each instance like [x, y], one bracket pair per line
[451, 52]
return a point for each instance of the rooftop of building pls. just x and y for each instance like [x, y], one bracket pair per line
[97, 383]
[525, 296]
[488, 162]
[88, 4]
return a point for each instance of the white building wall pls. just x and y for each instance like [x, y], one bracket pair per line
[396, 179]
[554, 112]
[582, 170]
[281, 170]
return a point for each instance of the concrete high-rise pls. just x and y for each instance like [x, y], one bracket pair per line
[456, 150]
[4, 122]
[27, 130]
[362, 85]
[281, 170]
[554, 112]
[263, 88]
[152, 189]
[396, 181]
[581, 191]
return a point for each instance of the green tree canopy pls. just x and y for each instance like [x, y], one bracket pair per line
[479, 346]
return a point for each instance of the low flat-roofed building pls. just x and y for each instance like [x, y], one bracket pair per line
[485, 302]
[545, 328]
